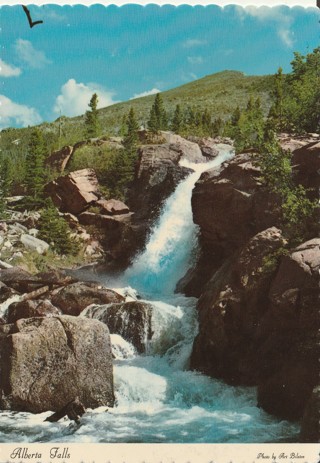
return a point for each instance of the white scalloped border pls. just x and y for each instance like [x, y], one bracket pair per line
[244, 3]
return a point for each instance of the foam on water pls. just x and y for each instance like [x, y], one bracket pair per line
[157, 398]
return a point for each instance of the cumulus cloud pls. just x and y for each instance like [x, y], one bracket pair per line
[146, 93]
[190, 43]
[6, 70]
[195, 59]
[29, 55]
[279, 17]
[74, 98]
[12, 113]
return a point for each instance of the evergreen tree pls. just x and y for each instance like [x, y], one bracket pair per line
[158, 119]
[177, 120]
[91, 118]
[54, 230]
[35, 170]
[131, 138]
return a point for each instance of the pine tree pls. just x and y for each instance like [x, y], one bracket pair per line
[177, 120]
[158, 119]
[35, 170]
[54, 230]
[91, 118]
[131, 138]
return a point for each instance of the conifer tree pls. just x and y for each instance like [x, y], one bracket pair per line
[131, 138]
[177, 120]
[91, 118]
[35, 171]
[54, 230]
[158, 119]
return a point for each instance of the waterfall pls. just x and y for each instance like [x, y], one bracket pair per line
[166, 257]
[157, 398]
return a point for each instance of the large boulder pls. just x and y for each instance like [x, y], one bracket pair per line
[112, 207]
[72, 299]
[131, 320]
[188, 151]
[157, 175]
[289, 333]
[230, 205]
[34, 244]
[259, 322]
[47, 362]
[74, 192]
[30, 309]
[230, 310]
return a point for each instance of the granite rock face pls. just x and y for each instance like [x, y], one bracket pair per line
[131, 320]
[47, 362]
[74, 192]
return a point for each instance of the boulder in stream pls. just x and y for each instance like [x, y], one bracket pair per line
[46, 362]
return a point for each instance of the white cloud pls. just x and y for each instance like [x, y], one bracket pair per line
[195, 59]
[12, 113]
[146, 93]
[277, 15]
[6, 70]
[287, 36]
[29, 55]
[190, 43]
[75, 97]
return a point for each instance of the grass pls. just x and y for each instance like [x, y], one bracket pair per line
[220, 93]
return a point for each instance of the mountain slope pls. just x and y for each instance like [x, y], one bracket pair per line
[220, 93]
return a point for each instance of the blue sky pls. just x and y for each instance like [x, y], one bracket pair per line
[123, 52]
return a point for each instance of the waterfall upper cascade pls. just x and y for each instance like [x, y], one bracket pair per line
[157, 398]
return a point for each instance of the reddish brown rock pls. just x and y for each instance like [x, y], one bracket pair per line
[74, 192]
[30, 309]
[112, 207]
[58, 160]
[47, 362]
[230, 310]
[289, 333]
[72, 299]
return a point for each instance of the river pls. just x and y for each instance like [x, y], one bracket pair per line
[157, 398]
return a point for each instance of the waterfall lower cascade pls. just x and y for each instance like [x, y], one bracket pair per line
[157, 398]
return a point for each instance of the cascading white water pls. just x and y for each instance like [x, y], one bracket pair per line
[157, 398]
[166, 257]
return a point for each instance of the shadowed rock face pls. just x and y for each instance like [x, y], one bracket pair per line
[259, 325]
[46, 362]
[306, 162]
[230, 312]
[30, 309]
[310, 424]
[132, 320]
[230, 205]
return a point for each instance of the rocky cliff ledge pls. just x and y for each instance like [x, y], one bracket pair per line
[259, 311]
